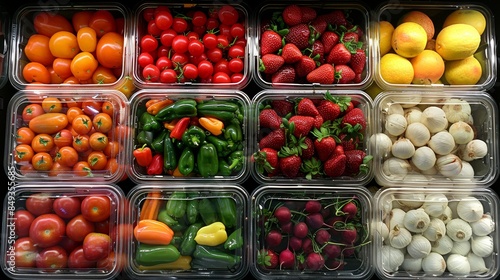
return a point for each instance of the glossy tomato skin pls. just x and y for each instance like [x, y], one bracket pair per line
[102, 21]
[96, 208]
[47, 230]
[37, 49]
[31, 111]
[109, 50]
[64, 44]
[83, 66]
[39, 204]
[96, 246]
[23, 220]
[66, 207]
[36, 72]
[54, 257]
[25, 252]
[48, 23]
[78, 227]
[77, 259]
[68, 244]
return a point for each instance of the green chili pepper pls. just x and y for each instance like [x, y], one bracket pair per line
[221, 145]
[174, 224]
[207, 160]
[224, 168]
[227, 211]
[193, 137]
[179, 109]
[186, 161]
[234, 240]
[157, 144]
[176, 205]
[188, 243]
[145, 137]
[207, 211]
[156, 254]
[169, 153]
[236, 160]
[148, 122]
[192, 211]
[208, 257]
[218, 105]
[233, 133]
[225, 116]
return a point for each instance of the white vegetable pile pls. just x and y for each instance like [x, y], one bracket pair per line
[428, 141]
[431, 234]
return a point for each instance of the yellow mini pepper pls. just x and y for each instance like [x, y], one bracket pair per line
[182, 263]
[211, 235]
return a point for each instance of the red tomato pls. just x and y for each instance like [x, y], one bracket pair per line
[22, 221]
[53, 258]
[222, 66]
[236, 51]
[167, 36]
[237, 30]
[190, 71]
[144, 59]
[102, 227]
[148, 43]
[109, 50]
[236, 65]
[66, 207]
[199, 18]
[179, 25]
[91, 107]
[191, 35]
[77, 259]
[196, 47]
[164, 63]
[96, 208]
[48, 23]
[47, 230]
[163, 19]
[236, 77]
[31, 111]
[153, 28]
[96, 246]
[36, 72]
[214, 55]
[62, 67]
[212, 23]
[39, 204]
[228, 15]
[168, 76]
[162, 51]
[151, 73]
[37, 49]
[113, 260]
[102, 21]
[179, 58]
[68, 244]
[25, 252]
[221, 77]
[78, 227]
[180, 43]
[205, 69]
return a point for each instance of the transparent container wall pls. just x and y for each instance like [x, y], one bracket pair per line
[4, 48]
[323, 214]
[450, 138]
[461, 233]
[267, 99]
[104, 63]
[66, 136]
[67, 214]
[231, 47]
[337, 15]
[214, 252]
[438, 12]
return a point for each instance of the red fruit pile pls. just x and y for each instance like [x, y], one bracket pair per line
[311, 138]
[311, 234]
[192, 45]
[300, 45]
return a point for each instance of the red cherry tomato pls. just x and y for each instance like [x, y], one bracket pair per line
[66, 207]
[39, 203]
[54, 257]
[210, 41]
[148, 43]
[167, 36]
[236, 51]
[212, 23]
[47, 230]
[77, 259]
[23, 220]
[144, 59]
[205, 69]
[151, 73]
[222, 66]
[221, 77]
[236, 65]
[96, 208]
[228, 15]
[153, 29]
[196, 47]
[180, 44]
[25, 252]
[96, 246]
[180, 25]
[237, 30]
[163, 19]
[78, 227]
[199, 18]
[168, 76]
[179, 58]
[190, 71]
[163, 63]
[214, 55]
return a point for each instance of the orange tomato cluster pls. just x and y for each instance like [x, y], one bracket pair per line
[66, 136]
[86, 49]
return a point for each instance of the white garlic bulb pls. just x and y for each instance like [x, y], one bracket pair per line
[434, 119]
[434, 264]
[435, 204]
[403, 148]
[470, 209]
[419, 247]
[442, 246]
[399, 237]
[458, 264]
[462, 132]
[382, 230]
[447, 214]
[442, 143]
[392, 258]
[458, 230]
[436, 229]
[395, 218]
[466, 173]
[412, 200]
[396, 168]
[456, 110]
[381, 144]
[449, 165]
[413, 115]
[395, 108]
[416, 220]
[411, 264]
[461, 248]
[407, 100]
[395, 124]
[476, 262]
[483, 226]
[482, 245]
[475, 149]
[418, 134]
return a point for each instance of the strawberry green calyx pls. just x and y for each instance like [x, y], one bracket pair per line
[312, 168]
[342, 101]
[364, 168]
[287, 151]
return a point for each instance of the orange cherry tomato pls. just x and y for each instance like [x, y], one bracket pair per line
[37, 49]
[126, 86]
[54, 78]
[48, 123]
[82, 168]
[73, 112]
[64, 44]
[26, 169]
[51, 105]
[31, 111]
[87, 39]
[63, 138]
[112, 165]
[42, 142]
[120, 132]
[48, 23]
[98, 141]
[103, 75]
[81, 143]
[62, 67]
[71, 102]
[83, 66]
[97, 160]
[36, 72]
[82, 124]
[72, 80]
[24, 135]
[59, 169]
[67, 156]
[81, 19]
[102, 122]
[23, 153]
[102, 21]
[109, 50]
[112, 149]
[42, 161]
[107, 107]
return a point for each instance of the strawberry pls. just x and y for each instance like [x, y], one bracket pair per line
[291, 53]
[300, 125]
[335, 165]
[275, 140]
[319, 26]
[292, 15]
[324, 74]
[324, 144]
[328, 110]
[266, 160]
[270, 42]
[304, 66]
[356, 162]
[282, 107]
[354, 117]
[268, 118]
[336, 18]
[306, 107]
[299, 35]
[286, 74]
[344, 74]
[267, 258]
[348, 142]
[318, 121]
[308, 14]
[308, 152]
[351, 37]
[329, 39]
[290, 165]
[270, 63]
[358, 61]
[318, 51]
[339, 54]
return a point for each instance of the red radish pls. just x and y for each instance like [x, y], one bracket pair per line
[335, 224]
[307, 245]
[283, 215]
[334, 264]
[300, 230]
[322, 236]
[287, 228]
[348, 252]
[349, 234]
[274, 238]
[313, 206]
[350, 209]
[295, 205]
[332, 251]
[314, 261]
[326, 212]
[287, 258]
[314, 221]
[267, 258]
[295, 243]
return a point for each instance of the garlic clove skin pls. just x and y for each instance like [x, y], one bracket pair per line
[447, 215]
[399, 237]
[461, 247]
[442, 246]
[434, 264]
[483, 226]
[457, 110]
[395, 218]
[442, 143]
[470, 209]
[482, 246]
[396, 168]
[392, 258]
[395, 108]
[403, 148]
[466, 174]
[475, 149]
[395, 124]
[458, 264]
[407, 100]
[412, 115]
[412, 200]
[435, 204]
[449, 165]
[436, 230]
[458, 230]
[434, 119]
[411, 264]
[381, 229]
[462, 132]
[418, 134]
[419, 247]
[381, 144]
[477, 263]
[416, 220]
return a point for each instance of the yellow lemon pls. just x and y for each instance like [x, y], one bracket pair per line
[421, 18]
[386, 30]
[396, 69]
[467, 16]
[457, 41]
[428, 67]
[409, 39]
[465, 71]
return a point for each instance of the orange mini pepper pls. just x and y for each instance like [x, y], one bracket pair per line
[153, 232]
[213, 125]
[170, 125]
[156, 106]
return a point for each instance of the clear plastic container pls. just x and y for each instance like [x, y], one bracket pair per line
[43, 145]
[462, 129]
[111, 14]
[340, 260]
[223, 206]
[28, 207]
[234, 79]
[265, 99]
[438, 12]
[4, 46]
[446, 259]
[355, 14]
[231, 150]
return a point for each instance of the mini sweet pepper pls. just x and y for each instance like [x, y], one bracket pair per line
[211, 235]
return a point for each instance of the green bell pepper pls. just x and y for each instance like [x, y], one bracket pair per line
[186, 161]
[192, 211]
[207, 211]
[145, 137]
[226, 208]
[222, 146]
[174, 224]
[179, 109]
[148, 122]
[209, 257]
[233, 132]
[176, 205]
[156, 254]
[158, 141]
[193, 137]
[218, 105]
[188, 243]
[234, 240]
[169, 153]
[207, 160]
